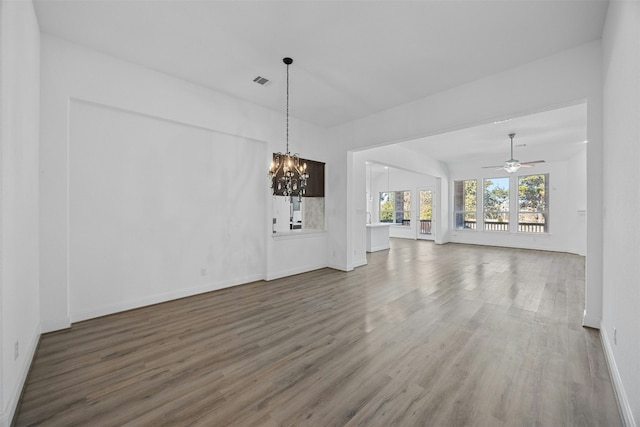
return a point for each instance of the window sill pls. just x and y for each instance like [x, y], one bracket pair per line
[505, 232]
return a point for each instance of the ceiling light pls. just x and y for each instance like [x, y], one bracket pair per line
[288, 177]
[512, 166]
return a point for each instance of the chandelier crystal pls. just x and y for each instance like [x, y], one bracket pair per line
[287, 175]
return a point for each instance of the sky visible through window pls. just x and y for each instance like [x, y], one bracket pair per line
[495, 183]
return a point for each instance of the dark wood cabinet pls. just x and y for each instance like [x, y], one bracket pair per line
[315, 183]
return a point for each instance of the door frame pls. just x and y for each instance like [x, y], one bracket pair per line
[431, 236]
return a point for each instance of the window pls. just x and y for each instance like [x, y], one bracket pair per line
[499, 197]
[533, 203]
[395, 207]
[465, 203]
[496, 204]
[386, 207]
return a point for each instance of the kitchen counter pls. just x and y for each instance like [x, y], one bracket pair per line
[378, 236]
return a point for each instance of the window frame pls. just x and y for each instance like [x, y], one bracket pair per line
[457, 213]
[503, 216]
[381, 211]
[398, 211]
[544, 212]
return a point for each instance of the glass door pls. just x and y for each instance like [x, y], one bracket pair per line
[425, 215]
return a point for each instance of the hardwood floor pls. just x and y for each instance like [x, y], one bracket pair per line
[424, 335]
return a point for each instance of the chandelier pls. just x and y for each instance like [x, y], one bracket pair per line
[288, 177]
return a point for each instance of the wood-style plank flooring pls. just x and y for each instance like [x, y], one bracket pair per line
[424, 335]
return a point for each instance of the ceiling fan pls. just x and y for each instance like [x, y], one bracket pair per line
[512, 165]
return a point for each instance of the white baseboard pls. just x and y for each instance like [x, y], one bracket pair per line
[590, 322]
[621, 396]
[157, 298]
[8, 412]
[56, 325]
[293, 271]
[340, 267]
[360, 262]
[381, 247]
[5, 419]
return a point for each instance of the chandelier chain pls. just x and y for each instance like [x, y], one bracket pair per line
[287, 108]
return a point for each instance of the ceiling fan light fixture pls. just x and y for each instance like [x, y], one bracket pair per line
[512, 166]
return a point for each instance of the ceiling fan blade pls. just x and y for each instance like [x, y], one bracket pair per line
[492, 167]
[531, 163]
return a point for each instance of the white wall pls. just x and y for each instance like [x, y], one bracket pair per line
[568, 77]
[361, 205]
[183, 208]
[19, 91]
[621, 299]
[564, 203]
[577, 204]
[158, 211]
[339, 175]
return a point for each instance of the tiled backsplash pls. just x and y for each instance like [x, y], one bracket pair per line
[314, 213]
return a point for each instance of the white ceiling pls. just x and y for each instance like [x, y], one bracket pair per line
[554, 135]
[351, 58]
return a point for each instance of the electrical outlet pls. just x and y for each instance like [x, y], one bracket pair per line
[615, 336]
[16, 350]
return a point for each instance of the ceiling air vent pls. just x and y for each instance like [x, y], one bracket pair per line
[261, 80]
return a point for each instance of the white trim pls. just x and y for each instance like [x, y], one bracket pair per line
[297, 234]
[508, 244]
[294, 271]
[590, 321]
[4, 420]
[360, 262]
[384, 247]
[8, 412]
[340, 266]
[159, 298]
[621, 396]
[56, 325]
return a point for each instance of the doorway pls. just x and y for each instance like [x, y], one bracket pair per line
[425, 229]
